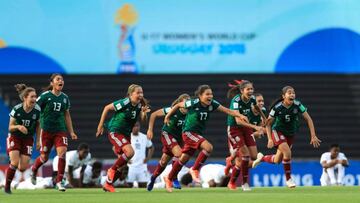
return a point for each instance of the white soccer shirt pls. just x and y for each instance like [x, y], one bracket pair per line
[212, 172]
[72, 159]
[139, 143]
[327, 157]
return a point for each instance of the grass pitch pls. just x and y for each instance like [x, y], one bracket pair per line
[189, 195]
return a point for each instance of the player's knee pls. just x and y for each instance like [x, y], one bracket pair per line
[209, 148]
[14, 162]
[163, 162]
[129, 153]
[244, 151]
[287, 154]
[277, 161]
[44, 157]
[22, 169]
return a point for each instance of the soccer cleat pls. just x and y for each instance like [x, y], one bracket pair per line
[7, 190]
[228, 166]
[246, 187]
[232, 186]
[290, 183]
[176, 184]
[108, 187]
[150, 184]
[33, 177]
[168, 184]
[60, 187]
[258, 159]
[111, 174]
[195, 175]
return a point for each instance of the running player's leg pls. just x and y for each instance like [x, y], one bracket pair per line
[46, 143]
[286, 152]
[10, 172]
[206, 149]
[61, 143]
[61, 153]
[245, 158]
[25, 153]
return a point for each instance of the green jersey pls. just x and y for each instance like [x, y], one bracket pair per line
[256, 119]
[28, 120]
[287, 119]
[125, 117]
[197, 115]
[53, 108]
[176, 123]
[245, 108]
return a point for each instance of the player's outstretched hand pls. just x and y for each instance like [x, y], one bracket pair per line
[167, 120]
[145, 109]
[99, 131]
[150, 134]
[73, 136]
[315, 142]
[270, 144]
[244, 118]
[23, 129]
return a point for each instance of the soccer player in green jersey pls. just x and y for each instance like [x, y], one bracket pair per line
[55, 122]
[127, 112]
[256, 118]
[24, 122]
[170, 138]
[281, 126]
[199, 110]
[240, 134]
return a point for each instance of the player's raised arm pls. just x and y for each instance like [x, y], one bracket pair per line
[314, 139]
[153, 116]
[100, 128]
[269, 123]
[234, 113]
[69, 125]
[173, 110]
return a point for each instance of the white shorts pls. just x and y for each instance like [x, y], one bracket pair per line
[140, 175]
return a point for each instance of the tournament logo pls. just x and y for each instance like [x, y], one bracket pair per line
[65, 100]
[211, 108]
[126, 18]
[34, 117]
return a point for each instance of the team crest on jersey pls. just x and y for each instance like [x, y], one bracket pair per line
[295, 111]
[211, 108]
[18, 114]
[49, 99]
[188, 103]
[65, 100]
[124, 141]
[197, 109]
[34, 116]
